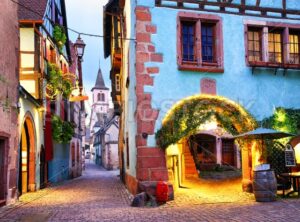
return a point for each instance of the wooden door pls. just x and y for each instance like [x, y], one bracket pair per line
[42, 167]
[228, 152]
[24, 162]
[2, 172]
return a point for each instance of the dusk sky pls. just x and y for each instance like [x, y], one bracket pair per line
[87, 17]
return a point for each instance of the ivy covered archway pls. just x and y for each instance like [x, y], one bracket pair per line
[184, 118]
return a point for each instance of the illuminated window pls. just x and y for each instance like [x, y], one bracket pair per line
[297, 153]
[275, 47]
[294, 48]
[254, 45]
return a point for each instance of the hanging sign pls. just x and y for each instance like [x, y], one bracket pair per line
[289, 156]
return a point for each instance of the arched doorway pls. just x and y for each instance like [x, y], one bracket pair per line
[211, 122]
[27, 157]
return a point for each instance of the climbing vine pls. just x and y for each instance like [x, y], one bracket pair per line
[56, 83]
[185, 118]
[62, 131]
[286, 120]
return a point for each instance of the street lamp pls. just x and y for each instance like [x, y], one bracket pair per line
[74, 97]
[79, 48]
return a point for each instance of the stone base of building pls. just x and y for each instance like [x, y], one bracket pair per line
[150, 188]
[131, 183]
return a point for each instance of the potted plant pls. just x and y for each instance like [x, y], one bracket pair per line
[59, 36]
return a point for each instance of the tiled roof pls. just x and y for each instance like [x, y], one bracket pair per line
[30, 7]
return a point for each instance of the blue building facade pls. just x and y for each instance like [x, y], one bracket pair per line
[243, 52]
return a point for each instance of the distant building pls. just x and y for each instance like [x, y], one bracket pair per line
[100, 106]
[106, 144]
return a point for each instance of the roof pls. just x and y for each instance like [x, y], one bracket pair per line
[113, 121]
[32, 9]
[97, 124]
[99, 84]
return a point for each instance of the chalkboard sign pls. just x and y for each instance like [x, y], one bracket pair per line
[289, 156]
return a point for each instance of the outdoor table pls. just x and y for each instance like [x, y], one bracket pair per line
[294, 176]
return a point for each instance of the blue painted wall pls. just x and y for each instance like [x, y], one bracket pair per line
[259, 93]
[58, 168]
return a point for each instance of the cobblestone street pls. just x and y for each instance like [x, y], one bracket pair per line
[100, 196]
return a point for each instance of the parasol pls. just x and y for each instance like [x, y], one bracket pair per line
[264, 133]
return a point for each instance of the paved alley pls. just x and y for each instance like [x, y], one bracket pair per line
[100, 196]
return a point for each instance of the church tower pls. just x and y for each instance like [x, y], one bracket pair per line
[100, 106]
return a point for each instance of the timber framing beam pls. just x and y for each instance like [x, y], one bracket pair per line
[238, 9]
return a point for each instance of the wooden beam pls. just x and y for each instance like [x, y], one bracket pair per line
[157, 2]
[284, 8]
[31, 22]
[242, 7]
[257, 3]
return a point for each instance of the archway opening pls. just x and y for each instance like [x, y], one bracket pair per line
[27, 158]
[199, 131]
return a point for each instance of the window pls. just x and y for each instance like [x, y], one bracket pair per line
[199, 42]
[117, 84]
[207, 42]
[254, 45]
[271, 44]
[188, 41]
[294, 48]
[101, 97]
[275, 47]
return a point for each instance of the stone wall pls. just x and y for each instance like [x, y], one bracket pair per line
[9, 75]
[151, 163]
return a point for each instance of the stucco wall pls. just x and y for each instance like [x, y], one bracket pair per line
[28, 108]
[259, 93]
[110, 157]
[9, 77]
[129, 94]
[58, 167]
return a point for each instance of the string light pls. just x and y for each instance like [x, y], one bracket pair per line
[72, 30]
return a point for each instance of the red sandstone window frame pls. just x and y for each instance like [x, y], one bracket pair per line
[268, 27]
[217, 66]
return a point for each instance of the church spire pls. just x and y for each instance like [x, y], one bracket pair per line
[99, 81]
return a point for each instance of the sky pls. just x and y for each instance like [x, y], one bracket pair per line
[87, 17]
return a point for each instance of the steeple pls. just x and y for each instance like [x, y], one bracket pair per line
[99, 81]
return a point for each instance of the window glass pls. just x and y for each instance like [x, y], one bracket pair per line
[294, 48]
[207, 40]
[254, 45]
[188, 41]
[275, 47]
